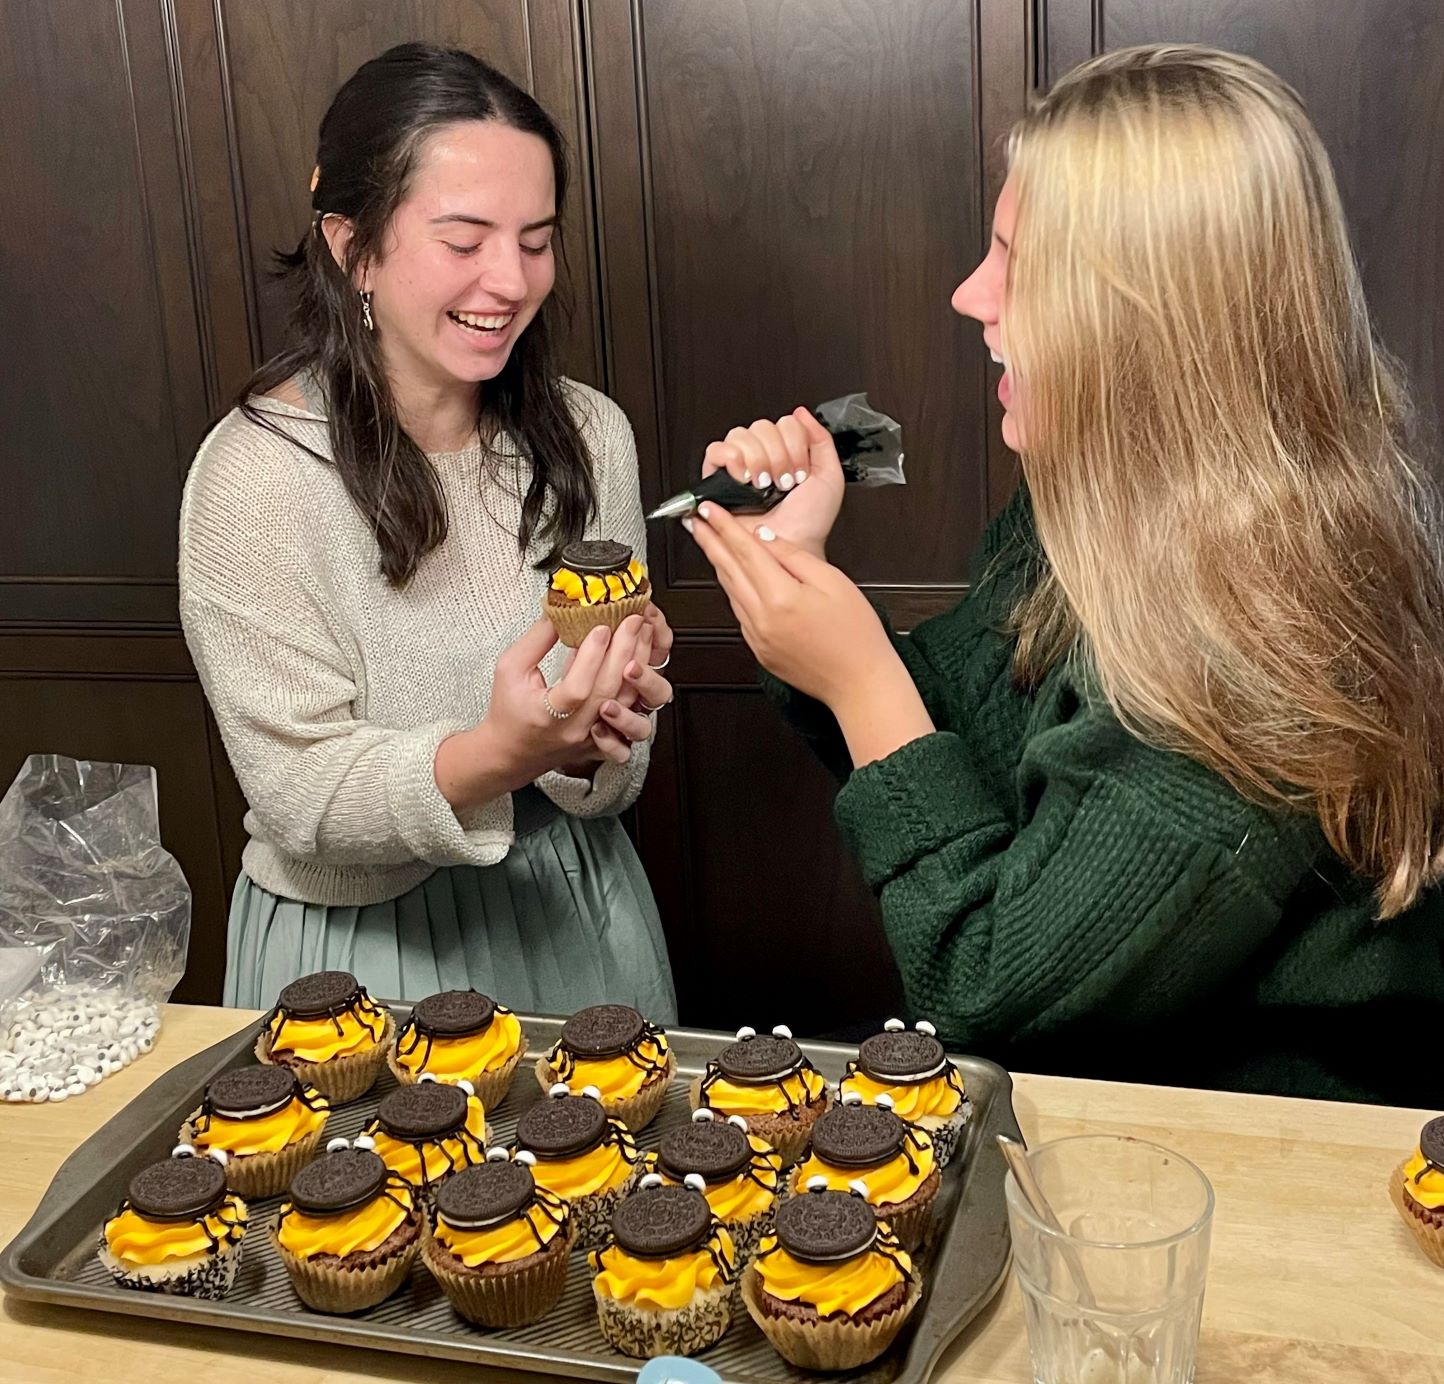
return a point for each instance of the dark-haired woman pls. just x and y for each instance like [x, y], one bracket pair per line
[433, 788]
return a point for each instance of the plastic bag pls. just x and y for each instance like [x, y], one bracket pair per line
[869, 443]
[94, 924]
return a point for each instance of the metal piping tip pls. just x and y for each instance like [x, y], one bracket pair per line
[684, 503]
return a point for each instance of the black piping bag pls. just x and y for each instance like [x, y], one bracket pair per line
[869, 445]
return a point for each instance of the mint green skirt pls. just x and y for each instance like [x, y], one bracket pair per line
[567, 919]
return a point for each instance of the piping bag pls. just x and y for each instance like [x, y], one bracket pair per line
[869, 445]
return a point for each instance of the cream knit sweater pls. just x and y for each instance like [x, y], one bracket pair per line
[332, 689]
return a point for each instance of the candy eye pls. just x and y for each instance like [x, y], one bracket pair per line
[650, 1181]
[885, 1101]
[467, 1087]
[427, 1076]
[526, 1158]
[592, 1091]
[858, 1189]
[365, 1141]
[559, 1088]
[739, 1120]
[782, 1031]
[333, 1144]
[894, 1026]
[183, 1151]
[852, 1097]
[220, 1156]
[745, 1032]
[702, 1116]
[923, 1026]
[497, 1155]
[695, 1181]
[816, 1184]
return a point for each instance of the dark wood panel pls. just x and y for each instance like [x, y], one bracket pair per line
[284, 62]
[161, 722]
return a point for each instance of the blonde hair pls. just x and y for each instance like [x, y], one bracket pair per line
[1237, 539]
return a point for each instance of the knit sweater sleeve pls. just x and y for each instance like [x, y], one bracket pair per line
[1123, 883]
[322, 784]
[614, 787]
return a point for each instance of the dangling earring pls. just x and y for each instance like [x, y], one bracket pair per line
[366, 312]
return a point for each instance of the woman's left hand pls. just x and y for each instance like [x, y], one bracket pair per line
[806, 622]
[624, 719]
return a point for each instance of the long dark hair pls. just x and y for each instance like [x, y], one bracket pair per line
[369, 144]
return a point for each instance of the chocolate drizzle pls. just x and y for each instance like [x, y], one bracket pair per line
[325, 995]
[450, 1014]
[603, 1032]
[760, 1061]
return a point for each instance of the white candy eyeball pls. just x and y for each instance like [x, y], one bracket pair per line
[427, 1076]
[852, 1097]
[894, 1026]
[695, 1181]
[745, 1032]
[651, 1180]
[333, 1144]
[593, 1091]
[782, 1031]
[858, 1189]
[559, 1088]
[923, 1026]
[496, 1155]
[183, 1151]
[702, 1116]
[739, 1120]
[816, 1184]
[526, 1158]
[467, 1086]
[220, 1155]
[885, 1101]
[365, 1141]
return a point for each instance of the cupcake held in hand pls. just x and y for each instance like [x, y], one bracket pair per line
[913, 1071]
[500, 1243]
[663, 1283]
[179, 1230]
[599, 582]
[612, 1048]
[349, 1229]
[460, 1035]
[768, 1081]
[832, 1289]
[330, 1032]
[1417, 1190]
[427, 1131]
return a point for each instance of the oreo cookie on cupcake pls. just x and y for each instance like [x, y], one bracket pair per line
[833, 1287]
[612, 1048]
[427, 1131]
[867, 1148]
[348, 1230]
[579, 1154]
[500, 1242]
[330, 1032]
[460, 1035]
[741, 1174]
[766, 1079]
[663, 1280]
[911, 1069]
[179, 1229]
[265, 1121]
[599, 582]
[1417, 1190]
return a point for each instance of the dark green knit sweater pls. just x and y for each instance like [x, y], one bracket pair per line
[1061, 897]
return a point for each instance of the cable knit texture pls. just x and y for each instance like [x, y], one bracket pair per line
[331, 688]
[1063, 897]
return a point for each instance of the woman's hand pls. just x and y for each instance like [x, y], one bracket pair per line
[644, 690]
[787, 453]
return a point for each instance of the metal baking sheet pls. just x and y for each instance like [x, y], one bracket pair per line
[53, 1259]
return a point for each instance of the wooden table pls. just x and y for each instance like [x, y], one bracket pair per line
[1313, 1277]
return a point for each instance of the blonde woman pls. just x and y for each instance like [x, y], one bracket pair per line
[1163, 798]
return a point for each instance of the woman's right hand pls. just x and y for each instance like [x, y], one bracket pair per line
[787, 453]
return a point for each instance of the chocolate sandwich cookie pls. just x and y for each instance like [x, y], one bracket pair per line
[563, 1127]
[597, 582]
[252, 1093]
[428, 1110]
[453, 1014]
[320, 995]
[596, 557]
[858, 1136]
[179, 1189]
[339, 1181]
[428, 1131]
[905, 1055]
[825, 1227]
[767, 1080]
[715, 1149]
[487, 1195]
[760, 1060]
[661, 1222]
[603, 1030]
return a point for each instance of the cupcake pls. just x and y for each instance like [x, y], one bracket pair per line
[349, 1229]
[581, 1156]
[912, 1069]
[1417, 1190]
[267, 1123]
[598, 583]
[767, 1080]
[741, 1174]
[613, 1048]
[178, 1230]
[832, 1288]
[499, 1243]
[460, 1035]
[330, 1032]
[867, 1148]
[663, 1281]
[428, 1131]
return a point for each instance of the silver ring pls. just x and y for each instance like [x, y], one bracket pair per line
[650, 710]
[551, 710]
[657, 667]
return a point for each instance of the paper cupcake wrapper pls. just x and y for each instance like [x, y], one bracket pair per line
[647, 1332]
[491, 1086]
[328, 1288]
[830, 1344]
[506, 1299]
[911, 1227]
[260, 1174]
[790, 1138]
[636, 1112]
[947, 1134]
[592, 1215]
[1430, 1237]
[574, 622]
[342, 1079]
[213, 1278]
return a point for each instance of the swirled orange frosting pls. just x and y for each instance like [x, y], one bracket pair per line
[367, 1227]
[742, 1196]
[887, 1184]
[268, 1133]
[803, 1088]
[616, 1078]
[938, 1097]
[1423, 1183]
[606, 1166]
[358, 1029]
[664, 1284]
[596, 590]
[454, 1059]
[848, 1286]
[134, 1239]
[437, 1156]
[525, 1235]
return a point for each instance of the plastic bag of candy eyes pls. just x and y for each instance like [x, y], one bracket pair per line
[95, 921]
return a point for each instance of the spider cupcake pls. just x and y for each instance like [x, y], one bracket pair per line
[330, 1032]
[427, 1131]
[613, 1048]
[460, 1035]
[768, 1081]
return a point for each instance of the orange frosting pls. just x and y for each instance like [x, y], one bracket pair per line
[431, 1159]
[135, 1239]
[358, 1029]
[665, 1284]
[454, 1059]
[268, 1133]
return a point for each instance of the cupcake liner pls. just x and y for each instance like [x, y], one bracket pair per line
[491, 1086]
[342, 1079]
[1430, 1237]
[516, 1298]
[747, 1235]
[260, 1174]
[645, 1332]
[789, 1137]
[330, 1288]
[831, 1343]
[592, 1214]
[636, 1112]
[947, 1134]
[574, 622]
[211, 1278]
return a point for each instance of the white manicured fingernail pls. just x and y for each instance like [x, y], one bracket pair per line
[687, 523]
[765, 534]
[764, 479]
[785, 481]
[704, 512]
[747, 478]
[800, 477]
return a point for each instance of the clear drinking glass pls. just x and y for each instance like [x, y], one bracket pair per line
[1116, 1296]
